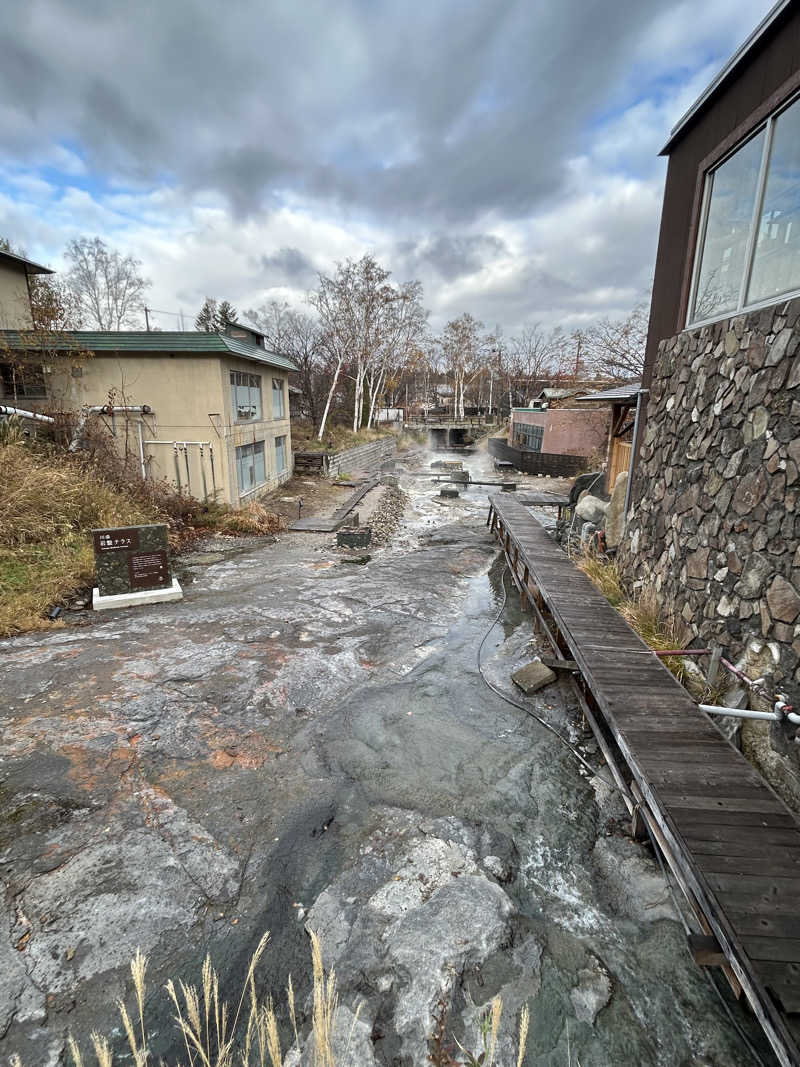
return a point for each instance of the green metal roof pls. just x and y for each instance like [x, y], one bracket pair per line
[185, 342]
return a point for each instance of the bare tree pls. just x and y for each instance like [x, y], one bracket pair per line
[615, 348]
[107, 286]
[298, 336]
[352, 310]
[401, 333]
[463, 347]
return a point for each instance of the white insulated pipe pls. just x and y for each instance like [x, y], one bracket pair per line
[5, 409]
[741, 713]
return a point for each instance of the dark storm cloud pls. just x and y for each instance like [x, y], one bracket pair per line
[289, 266]
[450, 257]
[431, 110]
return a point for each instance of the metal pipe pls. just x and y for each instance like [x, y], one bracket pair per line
[213, 475]
[634, 450]
[177, 464]
[141, 449]
[174, 443]
[203, 474]
[754, 683]
[186, 458]
[108, 409]
[682, 652]
[6, 409]
[740, 713]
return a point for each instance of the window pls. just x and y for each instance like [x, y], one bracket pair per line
[280, 454]
[19, 382]
[749, 251]
[529, 437]
[278, 408]
[245, 396]
[250, 468]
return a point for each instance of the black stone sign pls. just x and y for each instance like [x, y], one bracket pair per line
[131, 558]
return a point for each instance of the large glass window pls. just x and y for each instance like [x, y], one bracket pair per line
[245, 396]
[280, 454]
[529, 437]
[749, 248]
[250, 469]
[776, 263]
[278, 406]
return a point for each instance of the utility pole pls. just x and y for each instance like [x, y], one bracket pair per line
[147, 320]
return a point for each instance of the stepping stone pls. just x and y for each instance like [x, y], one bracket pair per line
[532, 677]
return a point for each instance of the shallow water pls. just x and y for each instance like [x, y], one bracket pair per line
[299, 744]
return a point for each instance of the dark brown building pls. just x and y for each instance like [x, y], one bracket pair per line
[719, 249]
[714, 527]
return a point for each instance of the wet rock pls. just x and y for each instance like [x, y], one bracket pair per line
[591, 994]
[533, 677]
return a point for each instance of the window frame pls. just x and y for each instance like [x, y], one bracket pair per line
[766, 124]
[275, 392]
[234, 385]
[285, 448]
[252, 445]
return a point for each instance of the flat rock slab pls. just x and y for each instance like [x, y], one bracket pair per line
[532, 677]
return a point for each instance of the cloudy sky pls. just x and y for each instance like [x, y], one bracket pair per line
[504, 153]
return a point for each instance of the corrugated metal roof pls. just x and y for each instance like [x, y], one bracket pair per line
[617, 393]
[28, 264]
[176, 342]
[727, 70]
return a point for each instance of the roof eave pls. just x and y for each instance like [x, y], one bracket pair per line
[725, 72]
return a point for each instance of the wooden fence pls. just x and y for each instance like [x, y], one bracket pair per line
[556, 464]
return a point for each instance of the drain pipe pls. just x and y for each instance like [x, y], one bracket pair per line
[781, 710]
[634, 452]
[740, 713]
[5, 409]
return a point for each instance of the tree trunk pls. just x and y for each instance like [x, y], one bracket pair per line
[330, 397]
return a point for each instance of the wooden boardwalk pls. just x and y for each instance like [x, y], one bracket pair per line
[732, 843]
[321, 524]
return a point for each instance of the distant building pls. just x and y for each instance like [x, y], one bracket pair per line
[15, 297]
[208, 412]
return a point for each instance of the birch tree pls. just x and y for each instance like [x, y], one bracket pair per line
[108, 287]
[401, 332]
[352, 309]
[462, 346]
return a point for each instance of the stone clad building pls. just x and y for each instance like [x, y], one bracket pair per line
[714, 525]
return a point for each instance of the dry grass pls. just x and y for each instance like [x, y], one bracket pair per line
[44, 549]
[212, 1035]
[52, 499]
[337, 436]
[644, 614]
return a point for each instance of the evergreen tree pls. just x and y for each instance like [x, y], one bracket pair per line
[206, 321]
[226, 313]
[214, 317]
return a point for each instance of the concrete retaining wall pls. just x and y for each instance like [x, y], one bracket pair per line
[367, 458]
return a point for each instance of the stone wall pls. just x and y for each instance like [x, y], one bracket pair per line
[714, 526]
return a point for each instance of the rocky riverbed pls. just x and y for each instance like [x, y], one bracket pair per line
[301, 743]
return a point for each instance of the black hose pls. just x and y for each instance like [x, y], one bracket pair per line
[574, 751]
[528, 711]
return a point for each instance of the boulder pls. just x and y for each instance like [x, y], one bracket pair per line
[615, 513]
[591, 509]
[532, 677]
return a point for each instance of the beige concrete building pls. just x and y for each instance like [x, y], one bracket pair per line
[15, 299]
[208, 412]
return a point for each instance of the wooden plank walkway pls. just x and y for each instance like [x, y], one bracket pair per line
[732, 843]
[321, 524]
